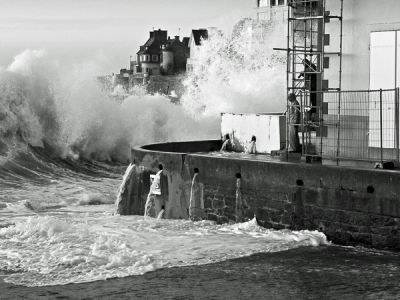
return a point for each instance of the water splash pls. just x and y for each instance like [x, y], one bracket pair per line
[151, 205]
[196, 201]
[123, 191]
[239, 205]
[237, 72]
[66, 111]
[161, 214]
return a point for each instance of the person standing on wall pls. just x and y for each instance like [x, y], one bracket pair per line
[294, 121]
[251, 149]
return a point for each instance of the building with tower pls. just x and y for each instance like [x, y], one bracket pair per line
[161, 55]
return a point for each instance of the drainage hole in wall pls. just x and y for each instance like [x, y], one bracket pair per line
[238, 175]
[196, 170]
[299, 182]
[370, 189]
[160, 167]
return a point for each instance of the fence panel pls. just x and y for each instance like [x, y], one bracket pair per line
[357, 125]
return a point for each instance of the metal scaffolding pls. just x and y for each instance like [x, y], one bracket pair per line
[306, 62]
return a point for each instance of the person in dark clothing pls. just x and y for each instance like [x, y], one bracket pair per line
[294, 121]
[311, 83]
[227, 144]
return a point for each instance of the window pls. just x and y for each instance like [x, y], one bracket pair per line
[273, 2]
[154, 58]
[281, 2]
[147, 58]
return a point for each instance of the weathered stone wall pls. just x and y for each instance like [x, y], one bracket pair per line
[350, 205]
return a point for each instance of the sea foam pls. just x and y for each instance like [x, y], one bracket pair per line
[49, 250]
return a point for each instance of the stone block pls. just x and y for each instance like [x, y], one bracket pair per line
[248, 214]
[393, 242]
[230, 201]
[218, 203]
[208, 200]
[223, 220]
[257, 200]
[342, 237]
[360, 219]
[361, 204]
[379, 241]
[362, 238]
[275, 204]
[310, 196]
[279, 226]
[376, 220]
[232, 217]
[390, 207]
[212, 217]
[315, 212]
[209, 210]
[391, 222]
[374, 205]
[276, 216]
[229, 210]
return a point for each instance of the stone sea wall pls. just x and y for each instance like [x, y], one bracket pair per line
[351, 206]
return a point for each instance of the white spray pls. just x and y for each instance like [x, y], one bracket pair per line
[123, 188]
[43, 102]
[151, 198]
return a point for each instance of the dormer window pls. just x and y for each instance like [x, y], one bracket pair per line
[154, 58]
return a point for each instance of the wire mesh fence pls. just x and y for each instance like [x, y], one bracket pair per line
[355, 125]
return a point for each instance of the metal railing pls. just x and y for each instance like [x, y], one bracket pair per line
[351, 125]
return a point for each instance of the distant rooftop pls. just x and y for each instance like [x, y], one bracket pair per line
[199, 34]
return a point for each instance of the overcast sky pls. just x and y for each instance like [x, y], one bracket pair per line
[78, 30]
